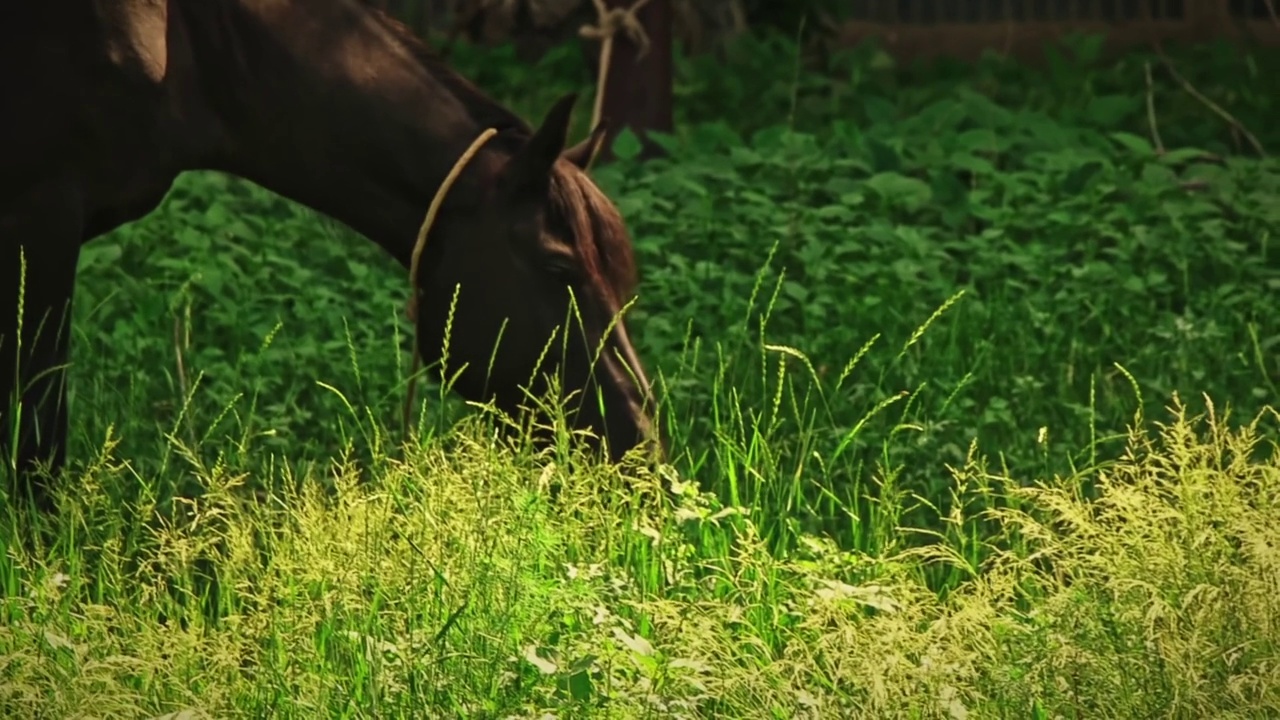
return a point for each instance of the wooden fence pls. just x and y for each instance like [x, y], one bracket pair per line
[965, 29]
[908, 29]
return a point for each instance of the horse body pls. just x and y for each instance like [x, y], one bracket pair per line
[330, 104]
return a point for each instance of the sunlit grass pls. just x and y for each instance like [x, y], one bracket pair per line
[472, 577]
[464, 573]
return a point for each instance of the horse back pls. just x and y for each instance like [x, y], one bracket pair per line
[90, 93]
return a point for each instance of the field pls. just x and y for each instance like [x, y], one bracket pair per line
[971, 372]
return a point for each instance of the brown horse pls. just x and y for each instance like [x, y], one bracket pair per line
[338, 107]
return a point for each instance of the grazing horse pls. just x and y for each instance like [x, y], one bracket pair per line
[338, 107]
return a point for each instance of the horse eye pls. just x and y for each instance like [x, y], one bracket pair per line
[562, 269]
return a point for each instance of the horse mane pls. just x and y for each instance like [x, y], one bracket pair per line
[484, 110]
[599, 232]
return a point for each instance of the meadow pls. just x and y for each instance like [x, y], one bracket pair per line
[971, 377]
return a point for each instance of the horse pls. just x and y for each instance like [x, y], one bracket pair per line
[337, 106]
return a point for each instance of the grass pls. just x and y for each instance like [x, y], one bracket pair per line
[450, 585]
[906, 324]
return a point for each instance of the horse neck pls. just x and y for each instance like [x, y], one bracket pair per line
[330, 104]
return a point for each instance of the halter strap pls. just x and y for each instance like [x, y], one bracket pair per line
[411, 308]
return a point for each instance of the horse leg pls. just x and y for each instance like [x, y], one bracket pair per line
[40, 235]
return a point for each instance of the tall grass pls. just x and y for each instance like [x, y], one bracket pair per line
[464, 575]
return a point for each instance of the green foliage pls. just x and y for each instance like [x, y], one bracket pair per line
[1075, 249]
[846, 205]
[858, 283]
[1072, 84]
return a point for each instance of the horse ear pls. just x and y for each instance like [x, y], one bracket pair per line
[584, 153]
[529, 171]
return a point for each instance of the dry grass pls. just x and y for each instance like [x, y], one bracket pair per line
[456, 583]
